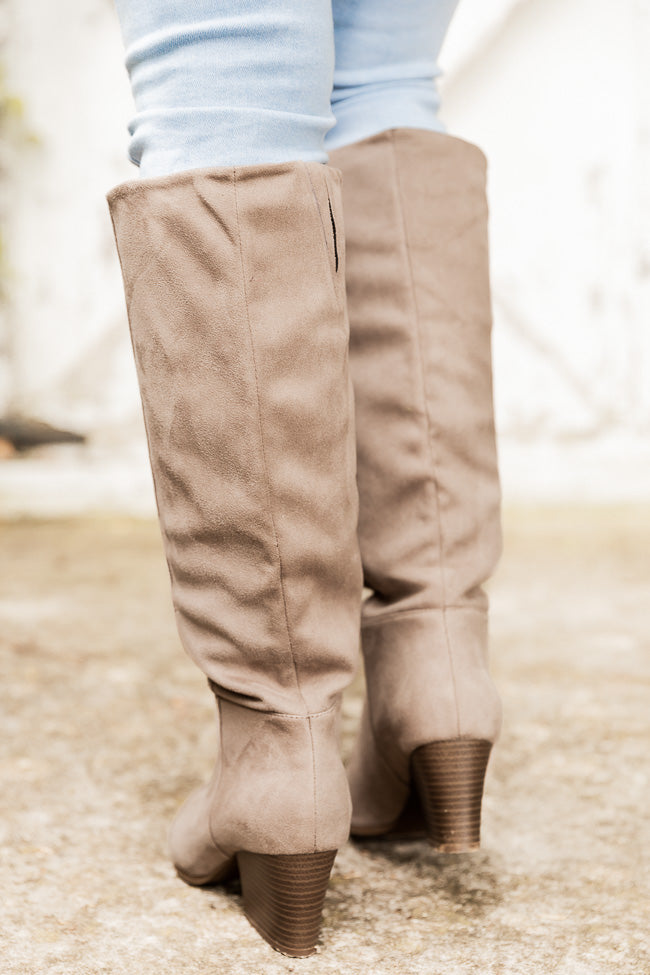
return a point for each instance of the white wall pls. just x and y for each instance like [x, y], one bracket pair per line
[71, 359]
[558, 95]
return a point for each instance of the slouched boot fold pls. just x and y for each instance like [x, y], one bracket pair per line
[235, 292]
[429, 523]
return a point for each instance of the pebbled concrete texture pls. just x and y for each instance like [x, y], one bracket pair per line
[106, 726]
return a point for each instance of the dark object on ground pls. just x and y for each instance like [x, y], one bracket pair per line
[21, 433]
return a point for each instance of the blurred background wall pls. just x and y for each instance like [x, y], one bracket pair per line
[557, 93]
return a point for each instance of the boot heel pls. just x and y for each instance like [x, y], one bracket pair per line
[283, 897]
[449, 777]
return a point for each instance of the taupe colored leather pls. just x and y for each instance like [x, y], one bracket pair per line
[235, 291]
[429, 525]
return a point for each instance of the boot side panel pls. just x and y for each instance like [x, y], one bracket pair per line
[441, 184]
[281, 786]
[300, 350]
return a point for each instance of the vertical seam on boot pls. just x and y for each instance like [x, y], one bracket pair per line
[216, 784]
[380, 755]
[261, 433]
[429, 424]
[313, 770]
[340, 305]
[378, 751]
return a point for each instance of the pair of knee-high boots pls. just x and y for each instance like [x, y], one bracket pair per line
[297, 454]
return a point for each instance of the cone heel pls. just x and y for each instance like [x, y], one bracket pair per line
[283, 897]
[449, 777]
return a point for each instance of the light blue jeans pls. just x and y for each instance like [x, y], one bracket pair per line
[236, 82]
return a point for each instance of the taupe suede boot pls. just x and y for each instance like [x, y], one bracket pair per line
[429, 524]
[234, 284]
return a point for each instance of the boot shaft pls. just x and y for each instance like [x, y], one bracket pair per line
[235, 291]
[420, 355]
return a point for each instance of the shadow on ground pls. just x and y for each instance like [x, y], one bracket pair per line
[107, 726]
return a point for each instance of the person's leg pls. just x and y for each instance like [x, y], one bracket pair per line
[386, 66]
[235, 290]
[228, 83]
[420, 355]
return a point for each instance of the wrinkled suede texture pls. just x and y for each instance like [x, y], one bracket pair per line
[429, 525]
[235, 288]
[240, 337]
[278, 787]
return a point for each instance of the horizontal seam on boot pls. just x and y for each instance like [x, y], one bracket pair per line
[422, 611]
[189, 176]
[302, 717]
[279, 714]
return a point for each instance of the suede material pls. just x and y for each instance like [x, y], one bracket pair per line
[278, 787]
[192, 849]
[418, 693]
[378, 793]
[235, 289]
[417, 278]
[240, 337]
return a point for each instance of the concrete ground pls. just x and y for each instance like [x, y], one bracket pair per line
[106, 726]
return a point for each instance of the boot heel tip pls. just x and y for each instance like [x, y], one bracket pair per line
[449, 778]
[283, 897]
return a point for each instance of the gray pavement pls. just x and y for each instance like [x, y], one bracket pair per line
[106, 726]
